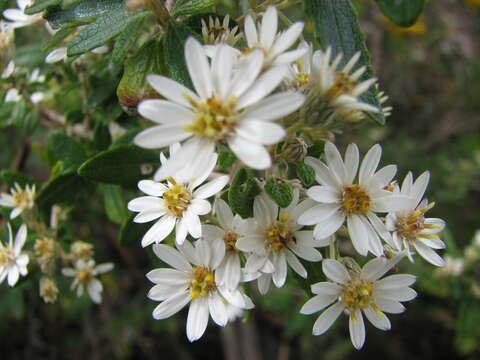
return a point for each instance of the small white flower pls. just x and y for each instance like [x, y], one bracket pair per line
[231, 229]
[18, 16]
[36, 76]
[410, 227]
[12, 95]
[341, 199]
[228, 106]
[179, 202]
[300, 71]
[84, 273]
[359, 292]
[19, 199]
[276, 239]
[196, 284]
[274, 45]
[13, 262]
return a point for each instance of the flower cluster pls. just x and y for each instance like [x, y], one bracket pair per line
[250, 102]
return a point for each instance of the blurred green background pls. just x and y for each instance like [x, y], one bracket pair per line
[432, 74]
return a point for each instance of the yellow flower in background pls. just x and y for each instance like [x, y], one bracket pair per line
[417, 29]
[473, 3]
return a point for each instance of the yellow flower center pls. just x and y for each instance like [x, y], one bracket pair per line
[343, 85]
[22, 199]
[279, 234]
[177, 198]
[85, 275]
[302, 77]
[6, 256]
[230, 238]
[214, 119]
[202, 283]
[355, 200]
[357, 294]
[411, 226]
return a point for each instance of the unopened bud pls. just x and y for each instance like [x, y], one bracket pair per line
[294, 150]
[48, 290]
[82, 250]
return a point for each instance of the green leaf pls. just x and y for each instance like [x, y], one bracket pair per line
[12, 177]
[103, 29]
[123, 165]
[57, 38]
[226, 159]
[125, 139]
[63, 189]
[81, 12]
[174, 49]
[40, 5]
[402, 12]
[316, 149]
[115, 205]
[192, 7]
[126, 40]
[134, 87]
[242, 192]
[101, 137]
[336, 25]
[279, 191]
[132, 233]
[306, 174]
[66, 150]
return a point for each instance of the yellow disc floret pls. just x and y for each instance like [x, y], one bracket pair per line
[177, 198]
[84, 275]
[279, 234]
[202, 283]
[230, 238]
[411, 227]
[343, 85]
[355, 200]
[214, 119]
[357, 294]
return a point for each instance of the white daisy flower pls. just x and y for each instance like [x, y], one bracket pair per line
[192, 280]
[18, 16]
[228, 106]
[231, 229]
[13, 262]
[19, 199]
[84, 274]
[341, 199]
[411, 228]
[359, 292]
[274, 45]
[340, 88]
[179, 202]
[300, 70]
[276, 239]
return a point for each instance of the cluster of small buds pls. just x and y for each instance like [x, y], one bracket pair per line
[241, 99]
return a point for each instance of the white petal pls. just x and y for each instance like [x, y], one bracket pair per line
[20, 239]
[263, 86]
[152, 188]
[379, 320]
[171, 306]
[159, 231]
[288, 57]
[193, 223]
[222, 65]
[287, 38]
[318, 213]
[260, 132]
[232, 272]
[280, 275]
[197, 319]
[254, 263]
[335, 271]
[391, 203]
[335, 162]
[370, 163]
[265, 211]
[218, 254]
[358, 234]
[162, 292]
[56, 55]
[351, 162]
[217, 310]
[383, 177]
[326, 288]
[268, 29]
[397, 294]
[328, 227]
[94, 289]
[168, 276]
[148, 215]
[253, 155]
[295, 264]
[264, 283]
[181, 231]
[357, 329]
[13, 276]
[250, 31]
[428, 254]
[324, 194]
[420, 186]
[211, 188]
[165, 112]
[198, 68]
[159, 136]
[212, 233]
[323, 175]
[395, 281]
[305, 252]
[146, 203]
[224, 214]
[247, 73]
[172, 257]
[172, 90]
[316, 303]
[275, 107]
[390, 306]
[251, 243]
[328, 317]
[199, 207]
[376, 268]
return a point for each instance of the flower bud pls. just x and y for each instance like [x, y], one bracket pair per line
[82, 250]
[134, 87]
[294, 150]
[48, 290]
